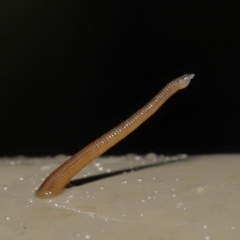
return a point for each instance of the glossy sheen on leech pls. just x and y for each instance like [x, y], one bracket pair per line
[59, 178]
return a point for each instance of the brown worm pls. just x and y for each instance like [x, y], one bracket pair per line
[55, 183]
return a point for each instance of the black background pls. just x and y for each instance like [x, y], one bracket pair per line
[72, 70]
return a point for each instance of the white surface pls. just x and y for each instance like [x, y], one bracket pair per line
[195, 198]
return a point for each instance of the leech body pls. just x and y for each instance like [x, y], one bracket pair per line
[59, 178]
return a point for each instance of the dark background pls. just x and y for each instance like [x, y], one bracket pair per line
[72, 70]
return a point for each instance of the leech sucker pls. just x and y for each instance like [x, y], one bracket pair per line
[55, 183]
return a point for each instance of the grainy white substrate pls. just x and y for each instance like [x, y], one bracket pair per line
[193, 198]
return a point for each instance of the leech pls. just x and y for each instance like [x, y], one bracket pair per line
[55, 183]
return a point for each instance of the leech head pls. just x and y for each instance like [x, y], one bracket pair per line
[185, 80]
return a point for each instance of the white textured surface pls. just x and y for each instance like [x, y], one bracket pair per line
[196, 198]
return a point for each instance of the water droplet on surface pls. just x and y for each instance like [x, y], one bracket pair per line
[162, 182]
[200, 189]
[124, 182]
[87, 236]
[179, 205]
[101, 188]
[97, 164]
[151, 157]
[166, 159]
[182, 156]
[137, 157]
[139, 180]
[43, 168]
